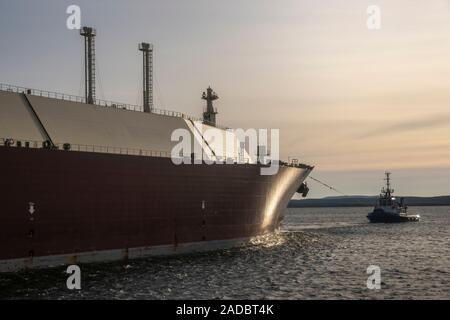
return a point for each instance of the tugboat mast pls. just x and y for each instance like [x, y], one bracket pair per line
[388, 192]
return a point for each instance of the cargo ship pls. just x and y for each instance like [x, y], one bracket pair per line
[85, 180]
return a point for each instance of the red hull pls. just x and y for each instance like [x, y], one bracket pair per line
[92, 202]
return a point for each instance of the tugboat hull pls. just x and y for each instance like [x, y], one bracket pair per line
[392, 218]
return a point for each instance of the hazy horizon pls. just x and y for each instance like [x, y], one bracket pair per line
[351, 101]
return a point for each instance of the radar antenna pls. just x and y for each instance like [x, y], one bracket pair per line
[388, 190]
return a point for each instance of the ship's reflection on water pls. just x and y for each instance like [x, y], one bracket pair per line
[322, 253]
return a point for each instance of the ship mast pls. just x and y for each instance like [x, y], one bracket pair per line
[209, 116]
[388, 190]
[147, 50]
[89, 63]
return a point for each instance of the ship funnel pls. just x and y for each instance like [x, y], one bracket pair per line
[209, 116]
[147, 50]
[89, 64]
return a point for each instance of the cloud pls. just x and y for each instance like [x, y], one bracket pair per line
[434, 121]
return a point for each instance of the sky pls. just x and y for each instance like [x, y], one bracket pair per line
[351, 101]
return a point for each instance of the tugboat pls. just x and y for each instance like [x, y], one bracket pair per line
[388, 209]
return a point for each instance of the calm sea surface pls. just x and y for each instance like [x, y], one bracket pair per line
[320, 254]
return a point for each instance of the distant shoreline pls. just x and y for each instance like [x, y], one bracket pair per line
[361, 206]
[362, 201]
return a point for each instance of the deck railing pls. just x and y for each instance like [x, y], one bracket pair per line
[33, 144]
[98, 102]
[24, 143]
